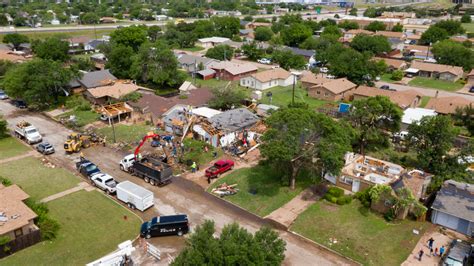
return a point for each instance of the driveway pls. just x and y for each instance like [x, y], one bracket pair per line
[426, 92]
[181, 196]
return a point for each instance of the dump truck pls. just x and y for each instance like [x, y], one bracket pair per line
[25, 130]
[152, 170]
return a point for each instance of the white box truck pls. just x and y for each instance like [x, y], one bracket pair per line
[135, 196]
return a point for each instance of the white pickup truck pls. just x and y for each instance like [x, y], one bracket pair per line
[27, 131]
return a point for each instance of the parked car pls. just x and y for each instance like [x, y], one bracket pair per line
[219, 167]
[45, 148]
[135, 196]
[165, 225]
[386, 87]
[19, 104]
[265, 61]
[105, 182]
[323, 70]
[3, 95]
[330, 76]
[459, 253]
[471, 89]
[87, 168]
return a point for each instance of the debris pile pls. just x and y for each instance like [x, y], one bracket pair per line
[225, 190]
[48, 163]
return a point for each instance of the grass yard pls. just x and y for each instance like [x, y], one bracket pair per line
[10, 147]
[270, 194]
[69, 34]
[387, 77]
[424, 101]
[282, 96]
[194, 152]
[196, 48]
[436, 84]
[469, 27]
[210, 84]
[125, 133]
[91, 227]
[36, 179]
[83, 117]
[360, 234]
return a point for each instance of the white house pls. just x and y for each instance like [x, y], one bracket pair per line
[414, 115]
[212, 41]
[267, 79]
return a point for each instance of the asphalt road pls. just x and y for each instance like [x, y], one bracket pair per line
[181, 196]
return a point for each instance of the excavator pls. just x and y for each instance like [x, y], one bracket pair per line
[166, 158]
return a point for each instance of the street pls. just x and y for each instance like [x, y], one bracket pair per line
[426, 92]
[181, 196]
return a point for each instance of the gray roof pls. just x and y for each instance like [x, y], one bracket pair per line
[234, 120]
[206, 72]
[244, 22]
[95, 43]
[456, 199]
[245, 31]
[190, 60]
[303, 52]
[96, 78]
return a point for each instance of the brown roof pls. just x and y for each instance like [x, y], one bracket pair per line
[79, 39]
[309, 77]
[447, 105]
[272, 74]
[404, 99]
[421, 48]
[11, 205]
[115, 90]
[10, 56]
[391, 34]
[471, 73]
[415, 37]
[359, 31]
[233, 68]
[430, 67]
[395, 63]
[337, 86]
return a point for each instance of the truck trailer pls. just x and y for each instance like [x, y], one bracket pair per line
[135, 196]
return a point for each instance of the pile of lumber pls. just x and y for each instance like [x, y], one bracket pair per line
[224, 190]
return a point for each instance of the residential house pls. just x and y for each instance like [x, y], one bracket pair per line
[161, 17]
[231, 123]
[470, 77]
[211, 41]
[412, 38]
[205, 112]
[16, 218]
[175, 119]
[254, 25]
[414, 115]
[90, 80]
[365, 21]
[78, 42]
[415, 180]
[438, 71]
[109, 93]
[404, 99]
[393, 64]
[94, 45]
[227, 70]
[192, 63]
[453, 207]
[418, 52]
[448, 105]
[108, 20]
[350, 34]
[331, 89]
[266, 109]
[267, 79]
[233, 44]
[303, 52]
[396, 39]
[400, 15]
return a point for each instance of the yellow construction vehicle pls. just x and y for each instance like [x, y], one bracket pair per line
[76, 141]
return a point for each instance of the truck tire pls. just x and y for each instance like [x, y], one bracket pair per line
[152, 182]
[131, 206]
[180, 233]
[146, 179]
[148, 235]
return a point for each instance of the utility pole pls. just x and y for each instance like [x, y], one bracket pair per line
[294, 84]
[111, 122]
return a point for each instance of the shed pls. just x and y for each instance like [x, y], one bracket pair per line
[206, 74]
[413, 115]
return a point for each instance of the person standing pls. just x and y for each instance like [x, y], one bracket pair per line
[441, 251]
[430, 243]
[193, 167]
[420, 254]
[436, 252]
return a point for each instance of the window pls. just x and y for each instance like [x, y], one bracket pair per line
[318, 92]
[346, 180]
[326, 94]
[18, 232]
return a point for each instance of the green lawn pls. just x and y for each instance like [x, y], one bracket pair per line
[282, 96]
[387, 77]
[468, 26]
[194, 152]
[68, 34]
[196, 48]
[424, 101]
[360, 234]
[10, 147]
[210, 84]
[36, 179]
[436, 84]
[125, 133]
[270, 194]
[91, 227]
[83, 117]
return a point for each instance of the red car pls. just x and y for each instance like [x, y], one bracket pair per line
[219, 167]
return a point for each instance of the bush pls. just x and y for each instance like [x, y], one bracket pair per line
[4, 181]
[397, 75]
[466, 18]
[77, 102]
[336, 192]
[133, 97]
[389, 215]
[3, 128]
[364, 197]
[49, 228]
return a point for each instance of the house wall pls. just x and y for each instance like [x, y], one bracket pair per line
[93, 100]
[324, 94]
[253, 83]
[206, 44]
[470, 79]
[425, 74]
[352, 183]
[24, 230]
[448, 76]
[452, 222]
[224, 75]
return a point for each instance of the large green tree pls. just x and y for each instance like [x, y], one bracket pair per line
[433, 34]
[465, 117]
[156, 64]
[221, 52]
[288, 60]
[132, 36]
[226, 98]
[15, 39]
[90, 18]
[376, 26]
[451, 26]
[449, 52]
[234, 246]
[373, 44]
[252, 52]
[263, 34]
[295, 34]
[3, 128]
[51, 48]
[39, 82]
[348, 25]
[119, 61]
[373, 117]
[299, 138]
[226, 26]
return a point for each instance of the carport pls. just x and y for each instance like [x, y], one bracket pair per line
[112, 111]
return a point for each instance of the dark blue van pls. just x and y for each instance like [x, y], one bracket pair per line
[165, 225]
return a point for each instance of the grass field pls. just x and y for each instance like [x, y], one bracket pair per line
[282, 96]
[88, 33]
[196, 48]
[387, 77]
[91, 227]
[270, 194]
[468, 26]
[436, 84]
[424, 101]
[36, 179]
[83, 117]
[10, 147]
[210, 84]
[360, 234]
[124, 133]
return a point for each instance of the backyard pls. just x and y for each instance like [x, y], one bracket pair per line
[125, 133]
[354, 231]
[11, 147]
[468, 26]
[282, 96]
[210, 83]
[436, 84]
[261, 190]
[82, 117]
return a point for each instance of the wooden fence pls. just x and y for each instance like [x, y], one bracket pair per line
[20, 243]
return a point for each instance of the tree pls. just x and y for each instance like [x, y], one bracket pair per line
[299, 138]
[252, 52]
[373, 117]
[449, 52]
[84, 64]
[451, 26]
[397, 75]
[154, 32]
[432, 138]
[133, 36]
[376, 26]
[353, 12]
[39, 82]
[466, 18]
[263, 34]
[288, 60]
[331, 30]
[348, 25]
[370, 12]
[248, 18]
[51, 48]
[89, 18]
[119, 61]
[156, 64]
[227, 97]
[373, 44]
[221, 52]
[295, 34]
[3, 20]
[465, 117]
[226, 26]
[234, 246]
[433, 34]
[397, 28]
[3, 128]
[15, 39]
[5, 65]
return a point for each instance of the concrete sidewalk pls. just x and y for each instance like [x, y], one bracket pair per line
[80, 186]
[14, 158]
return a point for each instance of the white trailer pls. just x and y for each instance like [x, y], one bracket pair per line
[135, 196]
[117, 258]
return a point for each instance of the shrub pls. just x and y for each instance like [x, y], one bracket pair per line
[389, 215]
[364, 197]
[182, 97]
[77, 102]
[4, 181]
[49, 228]
[336, 192]
[4, 240]
[397, 75]
[344, 200]
[133, 97]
